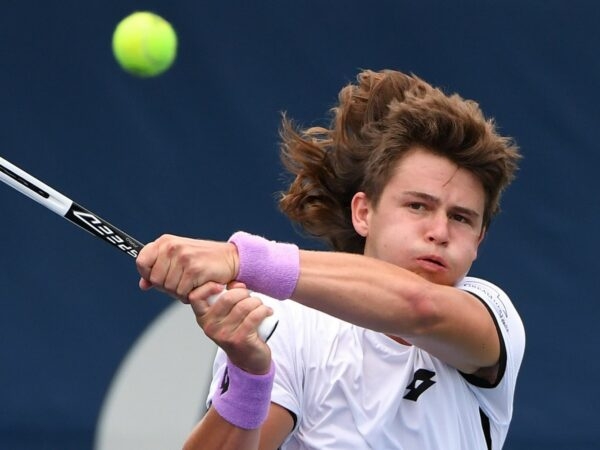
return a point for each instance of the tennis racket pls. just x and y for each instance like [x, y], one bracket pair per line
[43, 194]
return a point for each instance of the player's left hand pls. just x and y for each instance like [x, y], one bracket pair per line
[232, 322]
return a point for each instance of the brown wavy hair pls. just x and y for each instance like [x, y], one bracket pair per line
[376, 121]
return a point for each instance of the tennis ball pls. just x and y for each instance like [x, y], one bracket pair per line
[144, 44]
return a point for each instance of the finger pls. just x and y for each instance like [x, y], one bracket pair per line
[236, 285]
[164, 262]
[146, 259]
[145, 284]
[198, 297]
[241, 309]
[191, 278]
[242, 325]
[200, 308]
[256, 318]
[218, 315]
[204, 291]
[173, 277]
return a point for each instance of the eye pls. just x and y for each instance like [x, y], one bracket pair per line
[417, 206]
[460, 218]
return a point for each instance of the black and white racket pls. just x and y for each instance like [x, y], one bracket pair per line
[40, 192]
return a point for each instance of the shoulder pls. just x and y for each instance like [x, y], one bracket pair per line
[497, 301]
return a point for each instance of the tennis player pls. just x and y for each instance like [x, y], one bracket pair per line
[385, 341]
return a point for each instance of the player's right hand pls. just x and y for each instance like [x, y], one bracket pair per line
[177, 265]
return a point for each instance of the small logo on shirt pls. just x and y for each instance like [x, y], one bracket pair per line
[422, 380]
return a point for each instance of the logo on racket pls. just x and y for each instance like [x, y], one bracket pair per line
[101, 229]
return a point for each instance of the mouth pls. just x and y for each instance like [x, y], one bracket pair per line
[433, 261]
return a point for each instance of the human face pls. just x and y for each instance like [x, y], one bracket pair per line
[428, 219]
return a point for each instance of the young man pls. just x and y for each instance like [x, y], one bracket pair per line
[386, 344]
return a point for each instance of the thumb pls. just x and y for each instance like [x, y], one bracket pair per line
[144, 284]
[236, 285]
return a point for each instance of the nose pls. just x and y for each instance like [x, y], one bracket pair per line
[437, 229]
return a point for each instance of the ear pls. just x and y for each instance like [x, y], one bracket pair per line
[360, 213]
[482, 236]
[479, 241]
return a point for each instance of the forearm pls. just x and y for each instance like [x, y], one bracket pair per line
[364, 291]
[214, 432]
[447, 322]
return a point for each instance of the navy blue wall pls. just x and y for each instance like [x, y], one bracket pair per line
[194, 152]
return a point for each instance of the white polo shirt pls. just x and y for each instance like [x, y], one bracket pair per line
[351, 388]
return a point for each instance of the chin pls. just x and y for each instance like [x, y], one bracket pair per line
[437, 278]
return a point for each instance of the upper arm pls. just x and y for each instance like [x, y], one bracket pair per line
[449, 323]
[458, 329]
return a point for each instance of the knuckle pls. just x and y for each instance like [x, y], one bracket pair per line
[172, 248]
[209, 328]
[187, 259]
[163, 239]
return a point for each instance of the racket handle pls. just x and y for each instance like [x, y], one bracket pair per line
[265, 329]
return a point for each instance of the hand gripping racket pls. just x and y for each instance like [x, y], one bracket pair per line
[40, 192]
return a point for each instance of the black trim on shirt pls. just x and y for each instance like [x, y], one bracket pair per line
[485, 425]
[480, 382]
[294, 418]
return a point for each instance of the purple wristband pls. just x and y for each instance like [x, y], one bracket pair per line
[243, 399]
[268, 267]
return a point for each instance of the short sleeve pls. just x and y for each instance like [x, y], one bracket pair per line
[497, 399]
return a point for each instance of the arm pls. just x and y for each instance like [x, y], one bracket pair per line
[443, 320]
[213, 432]
[241, 416]
[447, 322]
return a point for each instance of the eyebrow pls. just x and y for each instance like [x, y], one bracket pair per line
[435, 200]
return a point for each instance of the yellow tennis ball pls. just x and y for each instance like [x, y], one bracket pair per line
[144, 44]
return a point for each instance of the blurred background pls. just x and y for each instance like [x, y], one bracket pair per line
[194, 152]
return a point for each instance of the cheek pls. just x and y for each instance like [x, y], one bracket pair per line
[471, 248]
[390, 245]
[469, 253]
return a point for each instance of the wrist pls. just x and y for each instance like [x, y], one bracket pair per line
[243, 399]
[234, 261]
[269, 267]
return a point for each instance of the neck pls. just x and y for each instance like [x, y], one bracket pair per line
[399, 340]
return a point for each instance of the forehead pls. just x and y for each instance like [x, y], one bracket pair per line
[423, 171]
